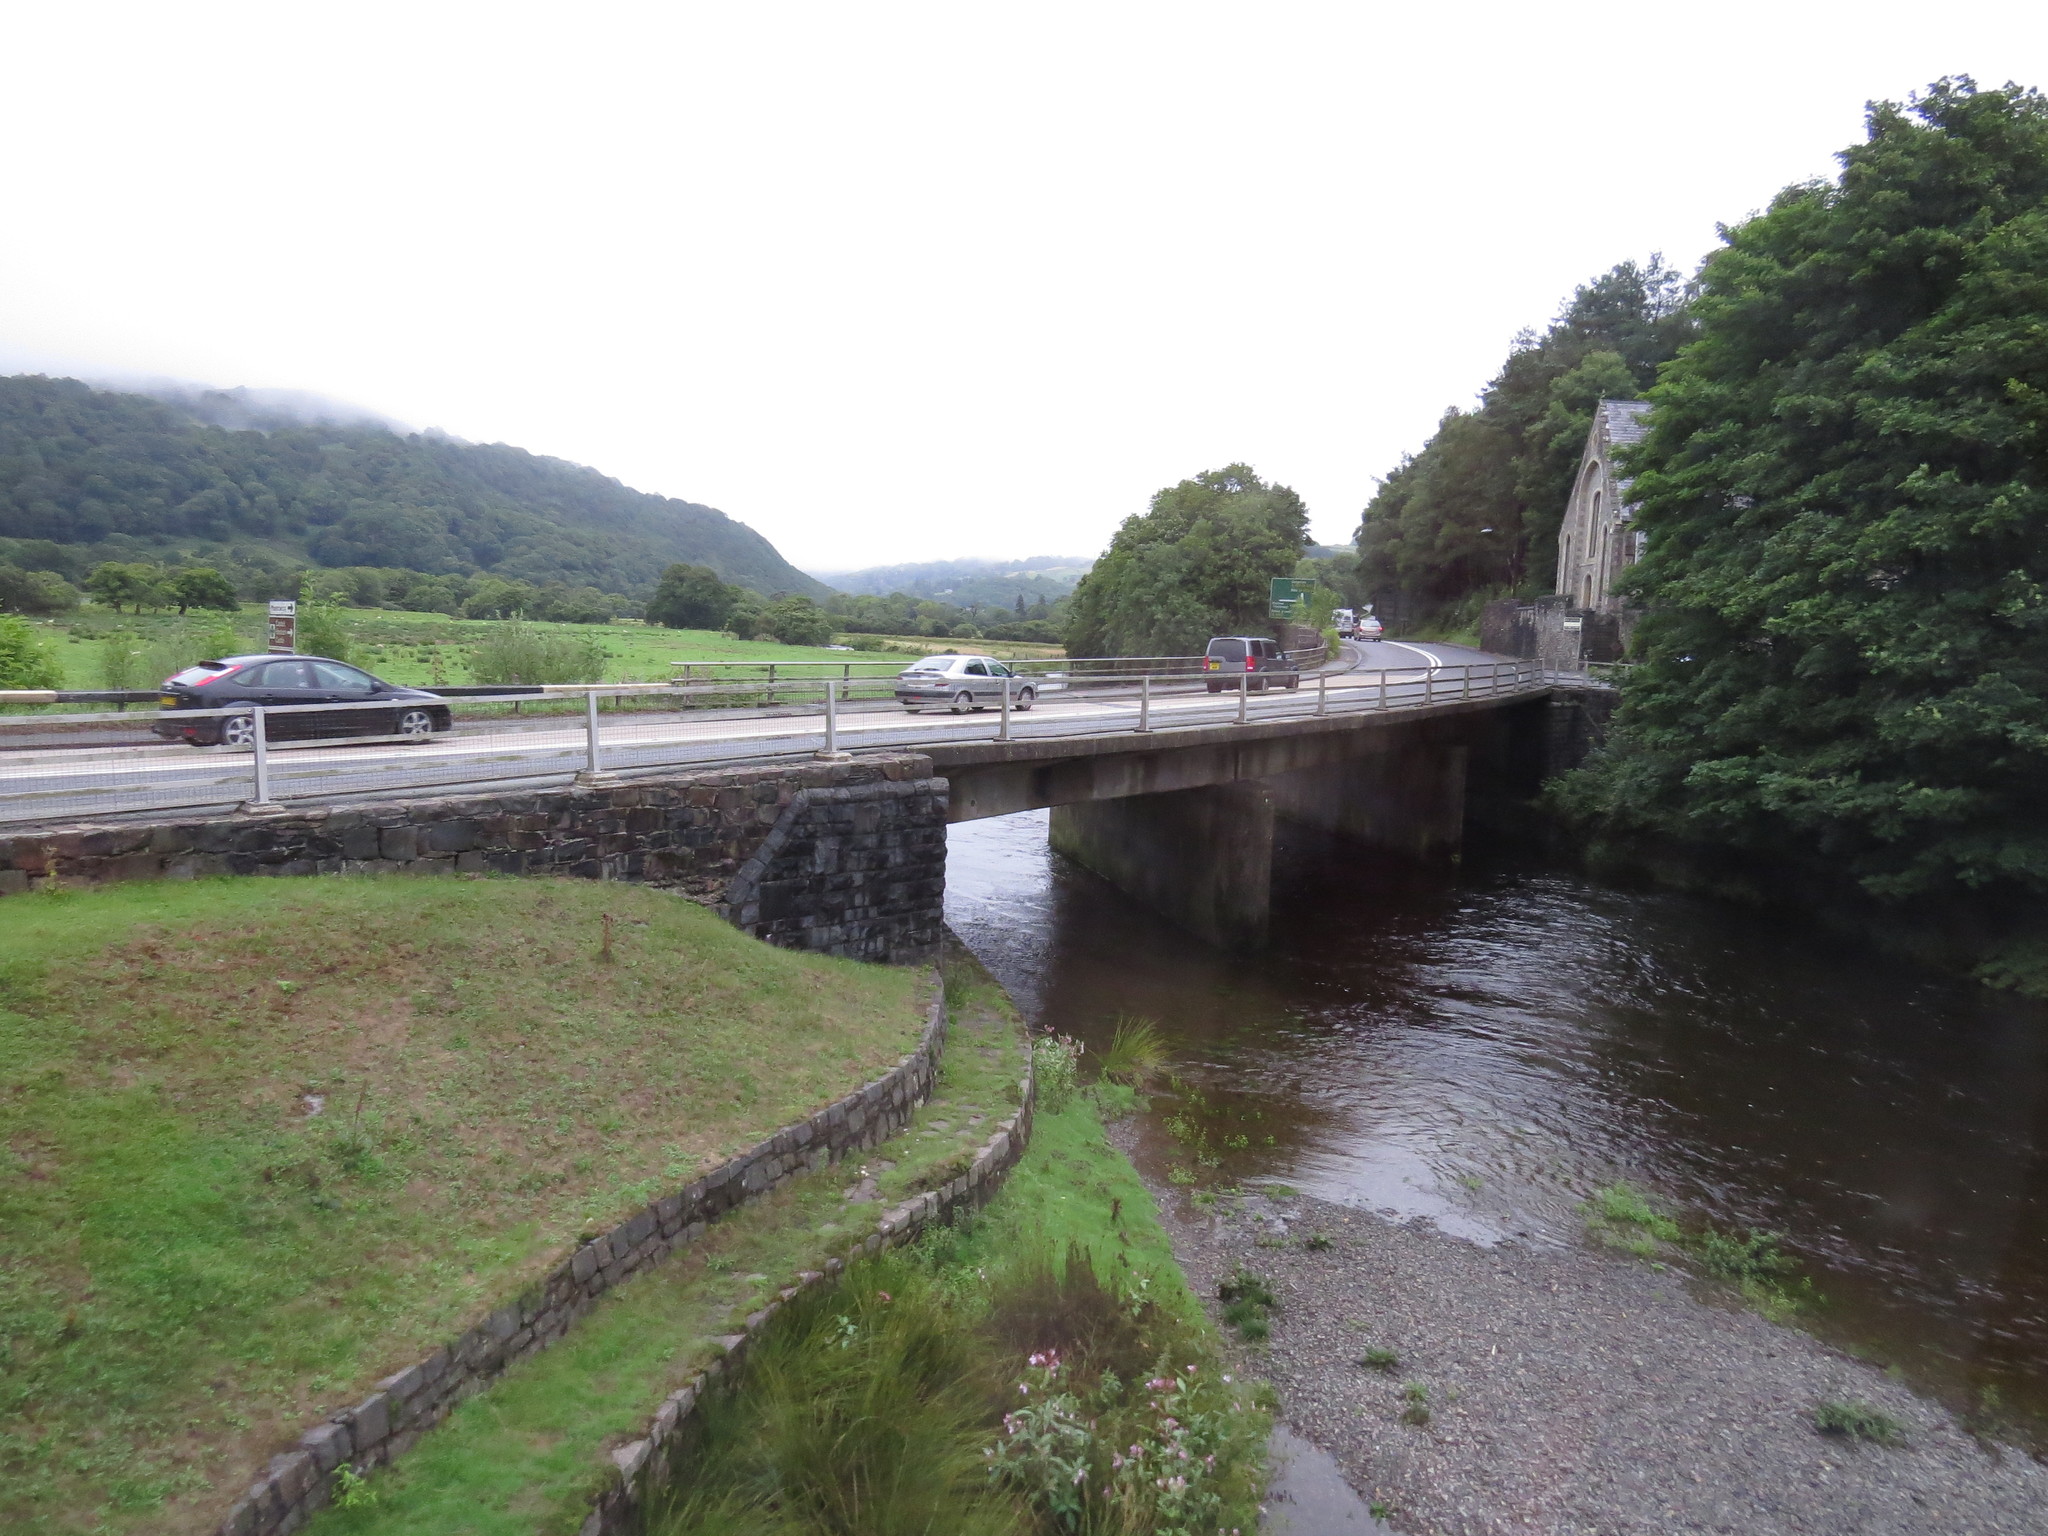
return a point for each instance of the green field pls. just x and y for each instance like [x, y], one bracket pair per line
[263, 1142]
[431, 648]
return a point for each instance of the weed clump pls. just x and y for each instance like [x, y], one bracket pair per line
[1416, 1396]
[1136, 1054]
[1248, 1305]
[1377, 1359]
[1318, 1241]
[1857, 1421]
[1056, 1061]
[1621, 1216]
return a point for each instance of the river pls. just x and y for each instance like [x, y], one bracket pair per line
[1481, 1047]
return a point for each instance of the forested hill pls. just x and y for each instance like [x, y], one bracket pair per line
[104, 475]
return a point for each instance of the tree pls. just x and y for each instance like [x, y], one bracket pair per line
[117, 583]
[1476, 512]
[35, 591]
[24, 662]
[201, 586]
[691, 597]
[1845, 493]
[798, 621]
[1199, 563]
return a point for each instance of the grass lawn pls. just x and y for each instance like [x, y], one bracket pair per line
[528, 1455]
[429, 648]
[828, 1394]
[264, 1142]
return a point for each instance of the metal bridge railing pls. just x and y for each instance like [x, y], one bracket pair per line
[274, 756]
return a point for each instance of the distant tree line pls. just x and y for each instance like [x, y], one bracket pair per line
[1475, 514]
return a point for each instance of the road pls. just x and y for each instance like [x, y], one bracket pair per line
[42, 786]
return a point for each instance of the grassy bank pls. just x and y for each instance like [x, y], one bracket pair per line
[263, 1142]
[1041, 1369]
[528, 1456]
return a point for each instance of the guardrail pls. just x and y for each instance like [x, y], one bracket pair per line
[306, 752]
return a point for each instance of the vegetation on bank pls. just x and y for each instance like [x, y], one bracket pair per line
[1749, 1259]
[1043, 1369]
[1199, 563]
[268, 1141]
[97, 475]
[1842, 686]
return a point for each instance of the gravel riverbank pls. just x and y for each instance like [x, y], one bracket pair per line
[1569, 1391]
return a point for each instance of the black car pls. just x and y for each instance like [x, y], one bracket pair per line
[1229, 657]
[281, 680]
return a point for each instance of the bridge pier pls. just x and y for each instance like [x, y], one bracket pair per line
[1202, 858]
[1408, 799]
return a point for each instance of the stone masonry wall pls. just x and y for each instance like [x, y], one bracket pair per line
[386, 1424]
[847, 858]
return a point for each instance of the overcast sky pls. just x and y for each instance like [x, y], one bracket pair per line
[905, 281]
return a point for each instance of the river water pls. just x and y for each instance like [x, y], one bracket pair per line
[1481, 1047]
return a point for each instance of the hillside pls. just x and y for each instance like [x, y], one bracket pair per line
[106, 475]
[967, 583]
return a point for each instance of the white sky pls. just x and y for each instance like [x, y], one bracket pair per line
[904, 281]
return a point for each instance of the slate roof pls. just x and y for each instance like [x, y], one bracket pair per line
[1625, 420]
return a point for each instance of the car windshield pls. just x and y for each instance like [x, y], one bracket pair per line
[1227, 650]
[934, 664]
[202, 672]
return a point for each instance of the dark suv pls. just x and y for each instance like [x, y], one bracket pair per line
[1230, 656]
[280, 680]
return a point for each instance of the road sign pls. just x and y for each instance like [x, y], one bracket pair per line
[284, 626]
[1289, 598]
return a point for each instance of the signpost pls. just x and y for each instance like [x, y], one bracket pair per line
[284, 626]
[1289, 599]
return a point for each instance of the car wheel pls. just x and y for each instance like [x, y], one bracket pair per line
[1215, 687]
[238, 731]
[1025, 699]
[415, 724]
[912, 709]
[1294, 682]
[963, 701]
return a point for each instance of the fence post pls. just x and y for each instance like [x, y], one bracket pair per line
[1004, 733]
[592, 766]
[1429, 685]
[1383, 687]
[1465, 682]
[1244, 694]
[261, 764]
[831, 752]
[1145, 703]
[1322, 693]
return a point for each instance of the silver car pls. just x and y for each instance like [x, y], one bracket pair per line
[961, 683]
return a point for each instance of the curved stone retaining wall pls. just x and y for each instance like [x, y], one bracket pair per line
[646, 1466]
[387, 1423]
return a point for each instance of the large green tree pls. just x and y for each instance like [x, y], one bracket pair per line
[1845, 489]
[1199, 563]
[1476, 512]
[691, 597]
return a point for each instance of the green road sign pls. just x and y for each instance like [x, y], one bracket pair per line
[1289, 599]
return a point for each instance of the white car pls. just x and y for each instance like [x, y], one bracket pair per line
[961, 683]
[1368, 628]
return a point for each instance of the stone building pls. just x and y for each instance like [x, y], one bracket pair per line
[1596, 543]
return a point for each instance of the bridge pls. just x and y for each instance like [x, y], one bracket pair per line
[815, 819]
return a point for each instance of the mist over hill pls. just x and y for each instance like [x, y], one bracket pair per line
[93, 474]
[966, 583]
